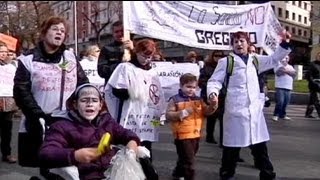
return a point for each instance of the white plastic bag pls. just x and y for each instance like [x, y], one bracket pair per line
[124, 166]
[70, 172]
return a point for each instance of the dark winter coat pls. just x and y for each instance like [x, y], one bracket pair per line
[71, 133]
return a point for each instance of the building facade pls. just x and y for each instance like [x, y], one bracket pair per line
[294, 16]
[91, 16]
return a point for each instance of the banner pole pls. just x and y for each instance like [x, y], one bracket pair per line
[126, 33]
[75, 27]
[126, 54]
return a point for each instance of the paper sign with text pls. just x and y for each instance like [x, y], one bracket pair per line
[10, 41]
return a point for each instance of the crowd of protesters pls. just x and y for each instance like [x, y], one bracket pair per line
[68, 105]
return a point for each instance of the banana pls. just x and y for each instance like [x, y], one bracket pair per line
[104, 143]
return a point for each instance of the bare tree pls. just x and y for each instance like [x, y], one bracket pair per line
[109, 10]
[24, 20]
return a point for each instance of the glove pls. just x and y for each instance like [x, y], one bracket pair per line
[48, 119]
[183, 114]
[143, 152]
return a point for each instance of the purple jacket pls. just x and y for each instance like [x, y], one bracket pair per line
[72, 133]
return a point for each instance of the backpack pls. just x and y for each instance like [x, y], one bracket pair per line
[230, 65]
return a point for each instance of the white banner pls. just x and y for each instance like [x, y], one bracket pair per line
[169, 75]
[202, 25]
[7, 73]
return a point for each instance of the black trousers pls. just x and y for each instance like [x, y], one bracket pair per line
[314, 101]
[148, 145]
[211, 123]
[259, 152]
[186, 150]
[6, 132]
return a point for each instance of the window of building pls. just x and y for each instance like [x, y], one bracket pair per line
[293, 29]
[84, 34]
[273, 8]
[287, 14]
[305, 20]
[84, 21]
[299, 18]
[280, 12]
[305, 33]
[299, 3]
[287, 28]
[305, 6]
[294, 16]
[299, 32]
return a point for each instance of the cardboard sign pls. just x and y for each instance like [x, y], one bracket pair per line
[10, 41]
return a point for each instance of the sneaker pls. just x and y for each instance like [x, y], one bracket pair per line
[275, 118]
[176, 175]
[34, 178]
[309, 116]
[177, 178]
[286, 118]
[9, 159]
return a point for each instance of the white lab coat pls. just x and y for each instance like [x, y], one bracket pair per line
[243, 121]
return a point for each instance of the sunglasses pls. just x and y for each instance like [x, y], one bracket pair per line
[218, 55]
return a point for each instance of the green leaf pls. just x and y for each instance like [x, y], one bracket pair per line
[64, 65]
[155, 122]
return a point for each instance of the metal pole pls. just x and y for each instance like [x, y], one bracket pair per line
[8, 30]
[75, 27]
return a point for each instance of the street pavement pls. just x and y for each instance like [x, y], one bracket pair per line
[294, 150]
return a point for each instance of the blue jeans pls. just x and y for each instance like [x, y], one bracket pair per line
[282, 98]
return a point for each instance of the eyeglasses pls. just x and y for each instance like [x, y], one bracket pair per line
[97, 50]
[3, 51]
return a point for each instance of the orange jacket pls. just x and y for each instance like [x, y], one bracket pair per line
[189, 127]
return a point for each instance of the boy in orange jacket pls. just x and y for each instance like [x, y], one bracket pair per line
[186, 111]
